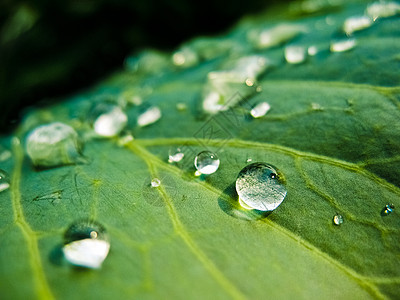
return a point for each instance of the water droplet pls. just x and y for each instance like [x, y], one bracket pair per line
[260, 186]
[357, 23]
[175, 155]
[148, 62]
[4, 154]
[383, 9]
[181, 106]
[4, 180]
[249, 160]
[295, 54]
[185, 58]
[150, 116]
[337, 219]
[260, 110]
[86, 244]
[206, 162]
[155, 182]
[275, 36]
[316, 107]
[387, 210]
[239, 79]
[108, 119]
[312, 50]
[125, 138]
[53, 145]
[343, 45]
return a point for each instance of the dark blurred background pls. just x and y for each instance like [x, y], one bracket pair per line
[49, 48]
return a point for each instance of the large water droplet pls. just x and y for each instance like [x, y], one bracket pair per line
[337, 219]
[295, 54]
[53, 144]
[4, 180]
[206, 162]
[343, 45]
[108, 119]
[354, 24]
[150, 116]
[260, 110]
[260, 186]
[387, 210]
[275, 36]
[383, 9]
[86, 244]
[175, 155]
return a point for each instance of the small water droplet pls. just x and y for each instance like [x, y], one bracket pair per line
[337, 219]
[249, 160]
[125, 138]
[175, 155]
[150, 116]
[312, 50]
[4, 154]
[108, 119]
[4, 180]
[206, 162]
[155, 182]
[295, 54]
[260, 186]
[387, 210]
[275, 36]
[86, 244]
[148, 62]
[343, 45]
[53, 145]
[383, 9]
[185, 58]
[260, 110]
[357, 23]
[181, 106]
[316, 107]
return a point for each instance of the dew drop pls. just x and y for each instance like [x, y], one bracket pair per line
[4, 154]
[316, 107]
[86, 244]
[206, 162]
[275, 36]
[343, 45]
[185, 58]
[387, 210]
[155, 182]
[312, 50]
[108, 119]
[175, 155]
[357, 23]
[295, 54]
[260, 186]
[181, 106]
[249, 159]
[53, 144]
[260, 110]
[337, 219]
[4, 180]
[383, 9]
[150, 116]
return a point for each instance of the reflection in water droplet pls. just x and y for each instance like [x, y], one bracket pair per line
[387, 210]
[175, 155]
[343, 45]
[185, 58]
[295, 54]
[86, 244]
[260, 186]
[337, 219]
[260, 110]
[155, 182]
[108, 119]
[4, 180]
[150, 116]
[52, 145]
[354, 24]
[383, 9]
[275, 36]
[206, 162]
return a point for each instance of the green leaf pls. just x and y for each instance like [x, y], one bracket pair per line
[333, 131]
